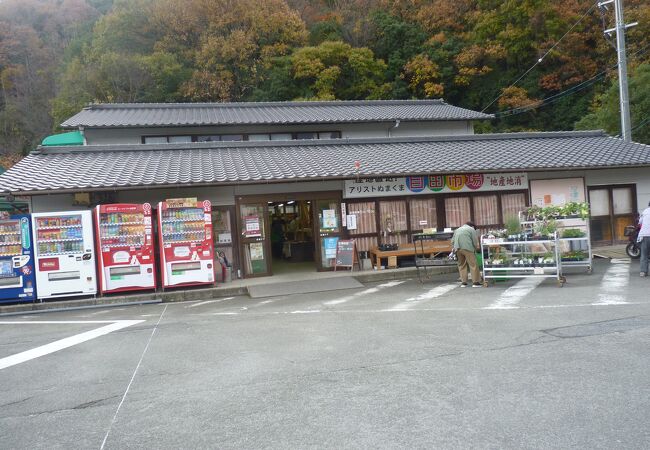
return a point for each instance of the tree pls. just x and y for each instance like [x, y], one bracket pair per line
[227, 43]
[423, 76]
[606, 110]
[336, 70]
[397, 42]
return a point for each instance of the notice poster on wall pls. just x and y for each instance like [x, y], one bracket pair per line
[257, 251]
[253, 228]
[329, 219]
[352, 221]
[557, 192]
[329, 245]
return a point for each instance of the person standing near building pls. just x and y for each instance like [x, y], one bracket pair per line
[644, 239]
[465, 243]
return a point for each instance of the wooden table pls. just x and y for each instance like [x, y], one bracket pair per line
[428, 249]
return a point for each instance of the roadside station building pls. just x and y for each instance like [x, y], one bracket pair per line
[283, 177]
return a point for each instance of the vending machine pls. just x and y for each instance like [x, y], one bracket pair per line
[65, 256]
[17, 279]
[125, 247]
[185, 236]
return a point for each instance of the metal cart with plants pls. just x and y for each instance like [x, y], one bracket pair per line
[521, 256]
[571, 222]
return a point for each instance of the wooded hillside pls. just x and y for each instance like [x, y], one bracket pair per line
[58, 55]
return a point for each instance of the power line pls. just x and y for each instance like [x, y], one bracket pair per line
[543, 56]
[572, 90]
[552, 99]
[637, 126]
[642, 124]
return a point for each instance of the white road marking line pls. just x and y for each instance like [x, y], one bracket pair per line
[110, 427]
[614, 283]
[225, 314]
[619, 261]
[514, 294]
[63, 343]
[207, 302]
[429, 295]
[97, 313]
[362, 293]
[420, 310]
[52, 322]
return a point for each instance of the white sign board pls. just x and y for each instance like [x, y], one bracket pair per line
[432, 184]
[352, 222]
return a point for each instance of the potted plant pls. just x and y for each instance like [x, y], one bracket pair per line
[513, 227]
[570, 233]
[545, 260]
[575, 210]
[545, 229]
[532, 212]
[577, 255]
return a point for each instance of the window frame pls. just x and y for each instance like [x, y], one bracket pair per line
[245, 136]
[441, 222]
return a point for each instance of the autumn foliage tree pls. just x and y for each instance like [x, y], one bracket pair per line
[58, 55]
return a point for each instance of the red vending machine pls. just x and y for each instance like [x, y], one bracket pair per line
[185, 236]
[126, 249]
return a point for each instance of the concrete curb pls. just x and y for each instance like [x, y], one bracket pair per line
[185, 295]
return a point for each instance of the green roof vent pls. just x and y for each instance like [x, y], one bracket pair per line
[71, 138]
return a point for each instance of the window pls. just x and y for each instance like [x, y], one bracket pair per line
[623, 202]
[329, 135]
[423, 214]
[214, 138]
[457, 211]
[179, 139]
[392, 221]
[486, 210]
[255, 137]
[232, 137]
[259, 137]
[166, 139]
[511, 204]
[365, 235]
[301, 136]
[281, 136]
[155, 139]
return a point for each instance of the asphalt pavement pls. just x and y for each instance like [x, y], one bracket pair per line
[394, 364]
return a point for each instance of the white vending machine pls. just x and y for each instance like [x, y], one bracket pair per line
[65, 254]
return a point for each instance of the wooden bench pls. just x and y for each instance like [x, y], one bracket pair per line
[430, 248]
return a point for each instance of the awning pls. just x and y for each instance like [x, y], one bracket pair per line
[57, 140]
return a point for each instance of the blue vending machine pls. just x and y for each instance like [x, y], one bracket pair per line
[17, 274]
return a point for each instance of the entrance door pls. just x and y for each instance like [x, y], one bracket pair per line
[327, 221]
[255, 246]
[225, 241]
[612, 209]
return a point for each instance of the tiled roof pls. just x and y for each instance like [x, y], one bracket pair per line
[204, 114]
[123, 166]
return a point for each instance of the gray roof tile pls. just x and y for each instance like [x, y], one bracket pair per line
[204, 114]
[53, 169]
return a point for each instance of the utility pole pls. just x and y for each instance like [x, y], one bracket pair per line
[626, 126]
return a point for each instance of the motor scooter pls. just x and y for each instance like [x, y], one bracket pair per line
[633, 248]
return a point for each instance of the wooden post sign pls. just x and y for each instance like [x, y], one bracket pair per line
[346, 255]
